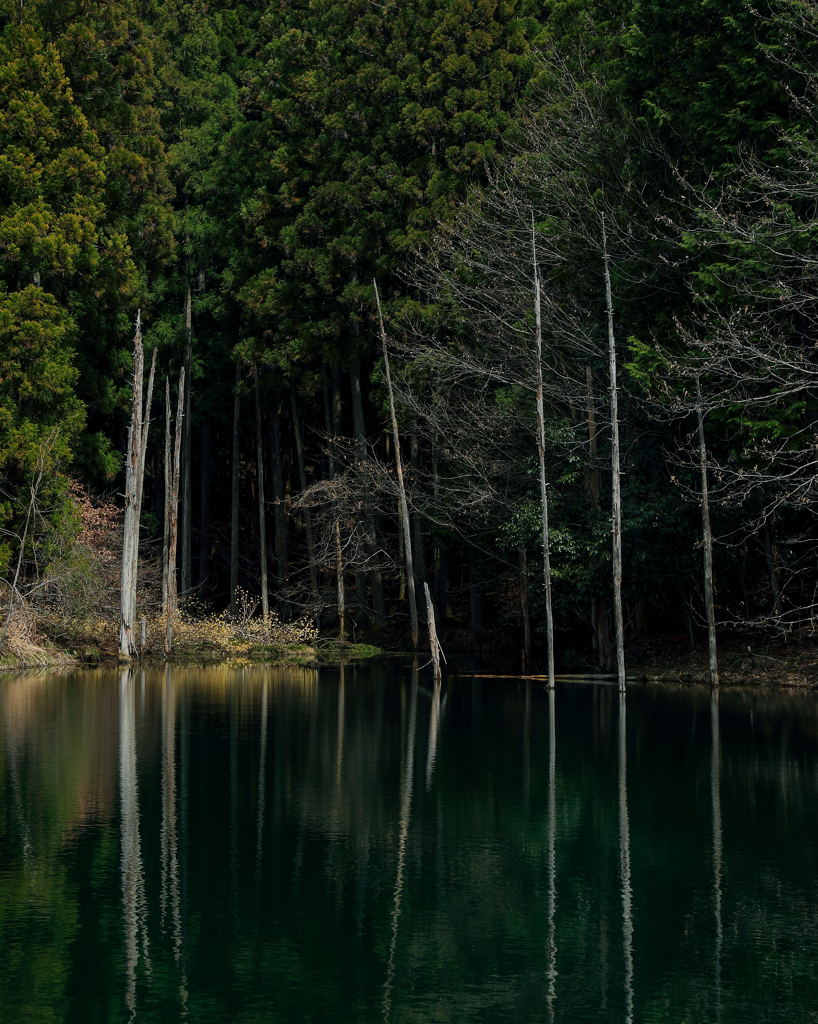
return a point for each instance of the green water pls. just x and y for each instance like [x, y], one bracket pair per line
[295, 845]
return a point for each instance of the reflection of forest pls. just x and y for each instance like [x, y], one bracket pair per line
[216, 842]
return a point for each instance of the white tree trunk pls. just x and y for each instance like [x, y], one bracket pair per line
[549, 615]
[130, 531]
[708, 548]
[174, 517]
[616, 499]
[404, 508]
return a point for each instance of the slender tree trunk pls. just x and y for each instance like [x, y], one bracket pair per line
[599, 606]
[378, 599]
[140, 485]
[205, 541]
[616, 497]
[130, 532]
[549, 615]
[234, 493]
[279, 510]
[168, 483]
[187, 503]
[404, 508]
[174, 517]
[708, 548]
[262, 532]
[524, 607]
[302, 477]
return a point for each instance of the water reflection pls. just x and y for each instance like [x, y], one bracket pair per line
[253, 844]
[625, 859]
[133, 881]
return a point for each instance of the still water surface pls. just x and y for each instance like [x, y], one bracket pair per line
[354, 845]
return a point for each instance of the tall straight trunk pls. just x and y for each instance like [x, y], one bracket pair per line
[302, 477]
[331, 424]
[234, 493]
[616, 500]
[140, 485]
[205, 536]
[549, 615]
[419, 551]
[168, 473]
[174, 517]
[279, 510]
[708, 547]
[130, 532]
[262, 532]
[378, 599]
[525, 610]
[187, 503]
[404, 508]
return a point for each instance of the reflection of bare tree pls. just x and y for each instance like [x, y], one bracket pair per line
[169, 835]
[405, 806]
[715, 800]
[552, 853]
[262, 778]
[435, 719]
[133, 881]
[625, 861]
[339, 761]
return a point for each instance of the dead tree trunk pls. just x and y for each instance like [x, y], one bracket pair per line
[146, 420]
[616, 500]
[404, 508]
[130, 533]
[302, 477]
[262, 532]
[549, 615]
[174, 517]
[433, 641]
[708, 547]
[187, 503]
[234, 493]
[168, 482]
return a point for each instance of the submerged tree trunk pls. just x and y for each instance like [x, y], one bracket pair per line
[616, 500]
[279, 510]
[708, 547]
[549, 615]
[234, 493]
[302, 477]
[262, 532]
[433, 641]
[404, 508]
[174, 517]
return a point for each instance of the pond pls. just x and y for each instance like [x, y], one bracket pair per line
[356, 845]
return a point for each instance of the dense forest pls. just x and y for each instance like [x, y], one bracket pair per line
[559, 210]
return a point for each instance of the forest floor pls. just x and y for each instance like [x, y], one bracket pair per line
[745, 659]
